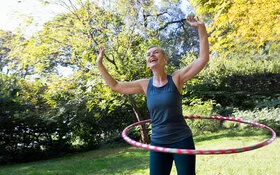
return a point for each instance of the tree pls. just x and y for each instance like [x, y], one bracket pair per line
[244, 38]
[5, 41]
[242, 26]
[71, 40]
[127, 31]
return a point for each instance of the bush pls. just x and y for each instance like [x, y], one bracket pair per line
[31, 138]
[202, 108]
[239, 91]
[267, 116]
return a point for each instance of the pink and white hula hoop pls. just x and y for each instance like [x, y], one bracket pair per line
[190, 151]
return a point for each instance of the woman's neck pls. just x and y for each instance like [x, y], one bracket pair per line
[160, 78]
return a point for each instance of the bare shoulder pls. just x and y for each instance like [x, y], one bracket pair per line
[144, 80]
[177, 80]
[143, 83]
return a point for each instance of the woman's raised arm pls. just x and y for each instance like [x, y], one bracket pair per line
[133, 87]
[185, 74]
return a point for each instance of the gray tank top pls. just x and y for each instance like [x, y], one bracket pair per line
[165, 107]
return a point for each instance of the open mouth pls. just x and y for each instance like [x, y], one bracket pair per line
[153, 60]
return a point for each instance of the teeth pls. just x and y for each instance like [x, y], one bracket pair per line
[153, 60]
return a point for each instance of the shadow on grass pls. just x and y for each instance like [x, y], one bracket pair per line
[102, 162]
[123, 163]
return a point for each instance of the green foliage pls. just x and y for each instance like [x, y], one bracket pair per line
[5, 48]
[243, 65]
[26, 132]
[92, 118]
[198, 107]
[242, 91]
[242, 73]
[267, 116]
[242, 26]
[43, 120]
[201, 108]
[234, 82]
[81, 106]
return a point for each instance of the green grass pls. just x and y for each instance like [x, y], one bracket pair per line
[126, 160]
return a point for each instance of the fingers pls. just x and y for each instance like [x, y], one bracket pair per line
[101, 54]
[193, 19]
[101, 49]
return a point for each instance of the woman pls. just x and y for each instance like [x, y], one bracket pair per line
[164, 101]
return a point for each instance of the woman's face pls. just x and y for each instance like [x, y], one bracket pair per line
[155, 57]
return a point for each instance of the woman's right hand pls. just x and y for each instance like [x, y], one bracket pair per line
[101, 55]
[194, 22]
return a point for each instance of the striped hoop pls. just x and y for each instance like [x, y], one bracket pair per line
[204, 152]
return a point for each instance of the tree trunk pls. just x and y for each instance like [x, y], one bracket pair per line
[143, 130]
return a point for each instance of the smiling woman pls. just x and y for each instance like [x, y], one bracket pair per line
[164, 101]
[155, 55]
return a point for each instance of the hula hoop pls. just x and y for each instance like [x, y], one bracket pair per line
[204, 152]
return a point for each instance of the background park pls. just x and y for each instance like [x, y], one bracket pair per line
[57, 116]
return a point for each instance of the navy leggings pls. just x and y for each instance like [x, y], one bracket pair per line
[161, 163]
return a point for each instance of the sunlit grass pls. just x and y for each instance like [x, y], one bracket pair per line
[126, 160]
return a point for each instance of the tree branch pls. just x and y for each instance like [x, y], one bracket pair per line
[171, 22]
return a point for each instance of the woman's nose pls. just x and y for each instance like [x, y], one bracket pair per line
[152, 54]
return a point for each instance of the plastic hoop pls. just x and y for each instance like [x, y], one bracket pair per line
[204, 152]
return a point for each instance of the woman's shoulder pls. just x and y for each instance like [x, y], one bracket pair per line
[143, 83]
[143, 80]
[176, 79]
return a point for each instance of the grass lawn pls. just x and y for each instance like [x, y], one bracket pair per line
[127, 160]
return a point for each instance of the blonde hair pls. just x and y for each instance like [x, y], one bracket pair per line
[160, 48]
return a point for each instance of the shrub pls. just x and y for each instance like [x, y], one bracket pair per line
[240, 91]
[31, 138]
[202, 108]
[267, 116]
